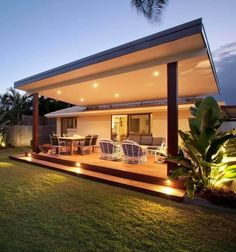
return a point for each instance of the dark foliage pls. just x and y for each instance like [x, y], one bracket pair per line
[220, 196]
[151, 9]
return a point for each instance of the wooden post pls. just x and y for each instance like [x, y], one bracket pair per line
[172, 111]
[35, 142]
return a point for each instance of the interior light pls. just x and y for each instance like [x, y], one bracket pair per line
[95, 85]
[116, 95]
[77, 164]
[82, 99]
[156, 73]
[59, 92]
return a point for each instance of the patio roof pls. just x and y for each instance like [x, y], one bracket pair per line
[132, 72]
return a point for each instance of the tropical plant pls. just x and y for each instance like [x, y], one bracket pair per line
[15, 104]
[3, 128]
[151, 9]
[203, 158]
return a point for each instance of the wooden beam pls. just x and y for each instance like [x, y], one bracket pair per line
[35, 142]
[172, 108]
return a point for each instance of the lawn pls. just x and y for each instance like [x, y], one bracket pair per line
[43, 210]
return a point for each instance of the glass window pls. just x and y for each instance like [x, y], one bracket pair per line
[68, 123]
[139, 124]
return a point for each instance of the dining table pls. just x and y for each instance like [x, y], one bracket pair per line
[70, 140]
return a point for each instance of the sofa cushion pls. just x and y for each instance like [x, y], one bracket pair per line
[158, 141]
[146, 140]
[134, 138]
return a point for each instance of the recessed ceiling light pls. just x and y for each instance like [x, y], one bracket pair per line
[116, 95]
[95, 85]
[156, 73]
[81, 99]
[59, 92]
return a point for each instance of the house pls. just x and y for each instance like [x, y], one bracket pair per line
[118, 121]
[144, 86]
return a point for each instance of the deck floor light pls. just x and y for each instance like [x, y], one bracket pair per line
[168, 182]
[27, 154]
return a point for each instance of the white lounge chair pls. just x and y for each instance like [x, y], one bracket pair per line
[133, 152]
[110, 150]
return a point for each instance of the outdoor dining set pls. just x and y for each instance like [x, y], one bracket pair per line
[75, 144]
[133, 150]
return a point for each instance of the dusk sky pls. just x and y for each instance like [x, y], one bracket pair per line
[36, 35]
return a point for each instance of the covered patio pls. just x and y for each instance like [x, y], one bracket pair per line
[172, 64]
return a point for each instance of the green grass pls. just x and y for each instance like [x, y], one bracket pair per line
[43, 210]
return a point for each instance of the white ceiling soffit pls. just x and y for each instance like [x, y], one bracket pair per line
[136, 76]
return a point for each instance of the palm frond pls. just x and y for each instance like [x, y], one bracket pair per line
[151, 9]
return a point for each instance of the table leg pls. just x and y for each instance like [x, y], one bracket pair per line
[71, 147]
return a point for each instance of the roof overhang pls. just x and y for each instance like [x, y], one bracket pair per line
[123, 111]
[126, 73]
[230, 112]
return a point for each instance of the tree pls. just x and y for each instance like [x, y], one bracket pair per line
[151, 9]
[16, 104]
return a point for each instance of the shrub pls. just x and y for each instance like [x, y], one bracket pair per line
[203, 157]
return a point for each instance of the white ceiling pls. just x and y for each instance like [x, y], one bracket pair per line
[131, 78]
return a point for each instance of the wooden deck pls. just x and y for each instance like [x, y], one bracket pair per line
[149, 177]
[150, 168]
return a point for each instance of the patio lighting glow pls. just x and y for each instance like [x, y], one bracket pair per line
[27, 154]
[156, 73]
[95, 85]
[77, 170]
[168, 190]
[82, 99]
[59, 92]
[168, 182]
[77, 164]
[3, 144]
[116, 95]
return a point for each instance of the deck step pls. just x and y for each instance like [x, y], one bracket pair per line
[150, 188]
[110, 171]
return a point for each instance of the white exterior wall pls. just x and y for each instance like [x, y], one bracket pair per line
[59, 125]
[228, 125]
[159, 122]
[98, 125]
[101, 124]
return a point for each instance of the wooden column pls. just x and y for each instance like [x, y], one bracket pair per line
[35, 142]
[172, 111]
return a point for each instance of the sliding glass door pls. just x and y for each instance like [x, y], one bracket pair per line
[125, 125]
[119, 127]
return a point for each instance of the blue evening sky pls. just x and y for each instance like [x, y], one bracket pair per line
[36, 35]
